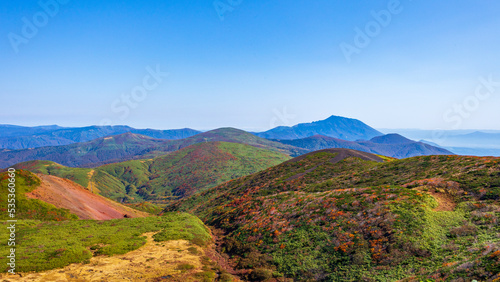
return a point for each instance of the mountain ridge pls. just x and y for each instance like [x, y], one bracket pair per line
[19, 137]
[334, 126]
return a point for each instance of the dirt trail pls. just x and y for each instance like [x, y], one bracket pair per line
[445, 202]
[155, 261]
[64, 193]
[91, 186]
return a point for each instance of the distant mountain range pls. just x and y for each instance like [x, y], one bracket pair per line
[392, 145]
[476, 139]
[129, 146]
[334, 126]
[480, 152]
[468, 142]
[7, 130]
[97, 145]
[20, 137]
[95, 152]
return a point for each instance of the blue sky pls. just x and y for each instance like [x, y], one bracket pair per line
[255, 65]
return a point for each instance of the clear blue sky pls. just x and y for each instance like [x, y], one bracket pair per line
[263, 60]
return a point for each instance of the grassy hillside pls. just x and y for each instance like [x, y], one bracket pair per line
[146, 207]
[234, 135]
[319, 218]
[168, 177]
[78, 175]
[93, 179]
[28, 208]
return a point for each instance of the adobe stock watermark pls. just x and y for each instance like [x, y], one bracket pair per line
[11, 223]
[225, 6]
[456, 114]
[282, 118]
[363, 36]
[128, 101]
[31, 26]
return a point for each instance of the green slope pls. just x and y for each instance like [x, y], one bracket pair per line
[169, 177]
[321, 217]
[99, 181]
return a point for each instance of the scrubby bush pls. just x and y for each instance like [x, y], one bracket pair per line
[464, 230]
[261, 274]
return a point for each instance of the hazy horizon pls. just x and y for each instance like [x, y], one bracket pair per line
[383, 130]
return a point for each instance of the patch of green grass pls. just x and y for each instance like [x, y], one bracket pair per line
[146, 207]
[193, 250]
[206, 276]
[185, 266]
[48, 245]
[78, 175]
[191, 229]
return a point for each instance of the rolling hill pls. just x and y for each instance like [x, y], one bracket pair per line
[129, 146]
[334, 126]
[234, 135]
[169, 177]
[98, 151]
[18, 137]
[27, 208]
[342, 215]
[392, 145]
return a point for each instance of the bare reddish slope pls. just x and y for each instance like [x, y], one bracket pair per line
[64, 193]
